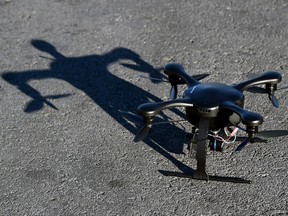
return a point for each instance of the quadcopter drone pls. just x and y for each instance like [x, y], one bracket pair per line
[215, 111]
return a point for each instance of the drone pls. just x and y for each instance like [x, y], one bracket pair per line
[214, 110]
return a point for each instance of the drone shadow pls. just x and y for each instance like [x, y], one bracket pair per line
[90, 74]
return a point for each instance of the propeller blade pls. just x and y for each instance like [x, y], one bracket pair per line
[132, 117]
[266, 134]
[256, 89]
[180, 81]
[243, 144]
[142, 133]
[200, 76]
[280, 89]
[259, 90]
[261, 134]
[272, 133]
[173, 92]
[254, 140]
[169, 122]
[197, 77]
[274, 100]
[138, 120]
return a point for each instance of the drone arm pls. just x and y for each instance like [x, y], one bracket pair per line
[176, 71]
[248, 118]
[270, 77]
[152, 109]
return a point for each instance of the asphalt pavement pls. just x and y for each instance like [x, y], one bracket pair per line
[69, 68]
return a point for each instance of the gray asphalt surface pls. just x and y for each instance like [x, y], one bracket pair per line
[84, 58]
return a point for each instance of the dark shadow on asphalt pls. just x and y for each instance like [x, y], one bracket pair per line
[90, 74]
[211, 177]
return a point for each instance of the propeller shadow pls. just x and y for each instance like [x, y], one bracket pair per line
[90, 74]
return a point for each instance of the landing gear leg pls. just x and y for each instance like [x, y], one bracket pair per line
[200, 137]
[200, 173]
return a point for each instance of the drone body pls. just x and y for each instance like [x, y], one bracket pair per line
[210, 108]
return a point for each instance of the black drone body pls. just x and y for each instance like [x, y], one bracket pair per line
[211, 107]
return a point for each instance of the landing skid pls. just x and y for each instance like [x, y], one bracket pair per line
[210, 177]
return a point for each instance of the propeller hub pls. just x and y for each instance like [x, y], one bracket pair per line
[251, 130]
[271, 87]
